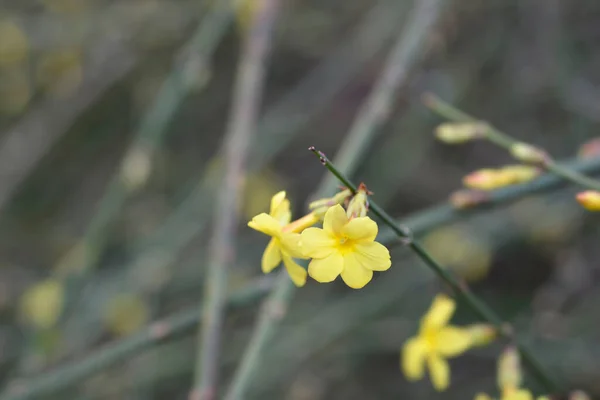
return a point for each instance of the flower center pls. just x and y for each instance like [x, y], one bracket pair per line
[345, 245]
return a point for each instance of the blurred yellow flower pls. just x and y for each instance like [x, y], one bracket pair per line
[284, 244]
[509, 378]
[491, 179]
[345, 247]
[460, 132]
[14, 45]
[590, 200]
[41, 305]
[435, 342]
[125, 314]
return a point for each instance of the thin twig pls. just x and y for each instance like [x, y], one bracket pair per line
[187, 320]
[247, 98]
[472, 300]
[373, 113]
[507, 142]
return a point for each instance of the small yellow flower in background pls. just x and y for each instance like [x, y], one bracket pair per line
[435, 342]
[344, 247]
[42, 304]
[509, 378]
[590, 200]
[491, 179]
[285, 243]
[459, 132]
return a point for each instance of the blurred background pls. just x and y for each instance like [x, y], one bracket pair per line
[112, 118]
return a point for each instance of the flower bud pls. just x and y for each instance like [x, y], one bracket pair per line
[491, 179]
[482, 334]
[359, 204]
[321, 206]
[590, 200]
[459, 132]
[590, 149]
[528, 154]
[464, 199]
[509, 369]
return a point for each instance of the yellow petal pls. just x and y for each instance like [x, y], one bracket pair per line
[373, 256]
[316, 243]
[354, 274]
[440, 312]
[280, 208]
[290, 242]
[452, 341]
[271, 257]
[296, 272]
[439, 372]
[335, 219]
[413, 358]
[482, 396]
[326, 269]
[266, 224]
[521, 394]
[361, 229]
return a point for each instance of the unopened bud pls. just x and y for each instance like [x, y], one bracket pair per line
[509, 369]
[321, 206]
[590, 149]
[459, 132]
[590, 200]
[465, 199]
[359, 204]
[482, 334]
[579, 395]
[491, 179]
[528, 154]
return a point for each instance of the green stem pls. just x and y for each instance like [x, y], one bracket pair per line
[505, 141]
[478, 306]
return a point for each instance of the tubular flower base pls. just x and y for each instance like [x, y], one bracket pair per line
[285, 243]
[344, 247]
[435, 342]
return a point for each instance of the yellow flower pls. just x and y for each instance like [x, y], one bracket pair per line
[435, 342]
[590, 200]
[285, 244]
[511, 394]
[345, 247]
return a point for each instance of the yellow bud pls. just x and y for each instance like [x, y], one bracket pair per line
[359, 204]
[464, 199]
[579, 395]
[491, 179]
[321, 206]
[590, 200]
[590, 149]
[482, 334]
[459, 132]
[520, 173]
[528, 154]
[509, 369]
[41, 305]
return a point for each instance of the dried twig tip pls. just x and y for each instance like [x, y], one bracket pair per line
[312, 148]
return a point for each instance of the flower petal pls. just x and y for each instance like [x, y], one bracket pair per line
[290, 243]
[360, 229]
[326, 269]
[335, 219]
[316, 243]
[413, 358]
[373, 256]
[271, 257]
[295, 270]
[280, 208]
[439, 313]
[452, 341]
[439, 372]
[520, 394]
[354, 274]
[266, 224]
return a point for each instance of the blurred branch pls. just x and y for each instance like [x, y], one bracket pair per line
[372, 114]
[24, 145]
[510, 144]
[113, 353]
[247, 99]
[187, 320]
